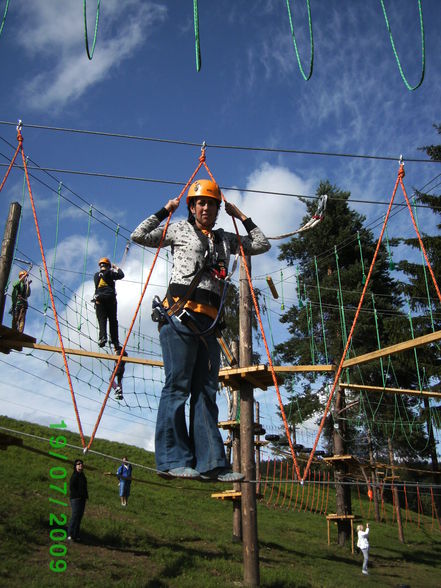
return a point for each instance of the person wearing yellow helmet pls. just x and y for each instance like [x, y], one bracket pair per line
[105, 301]
[190, 349]
[21, 290]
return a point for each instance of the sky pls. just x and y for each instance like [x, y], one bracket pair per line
[249, 93]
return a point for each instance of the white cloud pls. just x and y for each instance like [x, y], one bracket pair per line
[55, 37]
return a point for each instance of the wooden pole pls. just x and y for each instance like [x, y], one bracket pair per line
[257, 450]
[395, 493]
[251, 574]
[237, 514]
[8, 245]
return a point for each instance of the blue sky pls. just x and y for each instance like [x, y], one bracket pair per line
[142, 81]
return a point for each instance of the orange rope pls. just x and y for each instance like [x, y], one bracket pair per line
[266, 478]
[297, 495]
[273, 480]
[12, 160]
[280, 483]
[318, 492]
[348, 342]
[420, 505]
[313, 493]
[303, 493]
[292, 487]
[407, 505]
[434, 511]
[327, 494]
[129, 332]
[43, 258]
[286, 485]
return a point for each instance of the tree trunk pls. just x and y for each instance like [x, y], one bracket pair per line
[342, 490]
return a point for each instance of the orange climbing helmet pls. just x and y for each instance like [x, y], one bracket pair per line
[105, 260]
[22, 274]
[204, 189]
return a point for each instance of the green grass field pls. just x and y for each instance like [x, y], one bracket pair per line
[174, 534]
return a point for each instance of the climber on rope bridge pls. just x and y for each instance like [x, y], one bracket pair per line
[187, 321]
[105, 301]
[21, 290]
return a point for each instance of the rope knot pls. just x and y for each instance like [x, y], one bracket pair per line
[401, 172]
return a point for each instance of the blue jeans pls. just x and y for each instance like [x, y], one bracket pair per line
[78, 505]
[191, 370]
[365, 553]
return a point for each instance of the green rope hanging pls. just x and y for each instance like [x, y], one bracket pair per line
[389, 252]
[269, 321]
[306, 77]
[56, 232]
[282, 306]
[423, 49]
[4, 16]
[86, 39]
[321, 310]
[196, 35]
[363, 278]
[84, 267]
[116, 241]
[299, 294]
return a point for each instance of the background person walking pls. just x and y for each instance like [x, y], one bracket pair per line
[124, 474]
[363, 545]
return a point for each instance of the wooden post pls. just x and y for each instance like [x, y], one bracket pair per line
[342, 490]
[251, 574]
[395, 493]
[237, 514]
[8, 244]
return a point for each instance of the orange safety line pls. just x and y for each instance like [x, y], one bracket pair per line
[394, 504]
[292, 487]
[129, 332]
[313, 493]
[309, 488]
[348, 342]
[327, 495]
[406, 505]
[286, 485]
[318, 492]
[297, 495]
[273, 480]
[303, 493]
[12, 161]
[434, 510]
[280, 483]
[266, 478]
[259, 318]
[43, 258]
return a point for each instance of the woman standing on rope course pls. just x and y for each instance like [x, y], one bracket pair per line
[363, 545]
[105, 301]
[188, 319]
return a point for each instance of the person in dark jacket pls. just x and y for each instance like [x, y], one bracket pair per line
[105, 301]
[124, 475]
[20, 293]
[78, 496]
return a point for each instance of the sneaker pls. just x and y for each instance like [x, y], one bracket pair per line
[365, 572]
[188, 473]
[69, 538]
[222, 475]
[118, 393]
[102, 342]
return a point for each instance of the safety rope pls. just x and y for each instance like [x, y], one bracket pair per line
[196, 35]
[423, 49]
[311, 40]
[349, 338]
[43, 258]
[4, 16]
[86, 251]
[123, 348]
[86, 39]
[321, 310]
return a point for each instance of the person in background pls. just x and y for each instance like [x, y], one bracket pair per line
[124, 474]
[78, 496]
[105, 301]
[363, 545]
[21, 290]
[190, 348]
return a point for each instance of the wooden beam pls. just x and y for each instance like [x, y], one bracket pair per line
[81, 352]
[287, 369]
[397, 348]
[426, 393]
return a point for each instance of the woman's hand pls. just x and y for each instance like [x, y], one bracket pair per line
[233, 211]
[172, 205]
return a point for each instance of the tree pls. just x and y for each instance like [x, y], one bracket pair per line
[331, 262]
